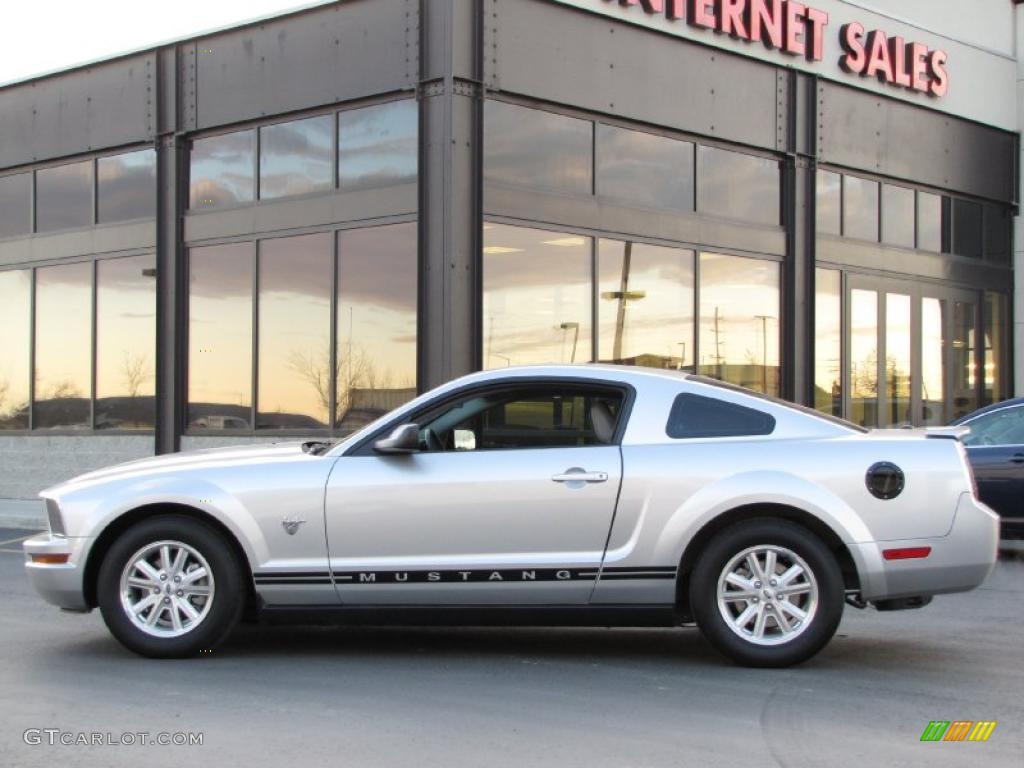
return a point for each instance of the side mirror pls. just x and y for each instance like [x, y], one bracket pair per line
[404, 439]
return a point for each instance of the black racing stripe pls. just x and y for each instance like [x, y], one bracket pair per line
[297, 574]
[266, 582]
[628, 576]
[645, 569]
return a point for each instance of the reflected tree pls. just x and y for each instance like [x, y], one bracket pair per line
[135, 371]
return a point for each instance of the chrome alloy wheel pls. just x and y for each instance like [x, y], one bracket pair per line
[767, 595]
[167, 589]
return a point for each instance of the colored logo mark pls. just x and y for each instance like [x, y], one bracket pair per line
[958, 730]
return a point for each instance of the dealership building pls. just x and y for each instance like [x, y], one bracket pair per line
[288, 227]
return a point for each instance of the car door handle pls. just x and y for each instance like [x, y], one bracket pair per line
[580, 476]
[1018, 458]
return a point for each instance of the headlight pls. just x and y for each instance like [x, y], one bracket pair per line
[53, 518]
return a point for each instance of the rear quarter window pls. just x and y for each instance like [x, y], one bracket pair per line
[699, 416]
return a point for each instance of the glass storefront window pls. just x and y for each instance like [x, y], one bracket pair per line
[860, 208]
[222, 170]
[126, 186]
[864, 357]
[15, 205]
[998, 233]
[297, 158]
[63, 347]
[643, 170]
[220, 336]
[967, 228]
[929, 222]
[739, 321]
[15, 340]
[896, 411]
[828, 391]
[64, 197]
[293, 384]
[933, 362]
[995, 330]
[125, 343]
[537, 296]
[534, 148]
[376, 325]
[897, 216]
[827, 203]
[378, 145]
[645, 305]
[738, 186]
[963, 363]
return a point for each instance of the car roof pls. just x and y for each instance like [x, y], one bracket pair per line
[1012, 402]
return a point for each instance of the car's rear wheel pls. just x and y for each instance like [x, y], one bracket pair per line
[170, 586]
[767, 593]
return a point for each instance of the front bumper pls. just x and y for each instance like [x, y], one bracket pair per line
[60, 584]
[959, 561]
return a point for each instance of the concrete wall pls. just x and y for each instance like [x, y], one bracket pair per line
[31, 463]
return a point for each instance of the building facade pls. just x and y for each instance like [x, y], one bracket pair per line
[287, 228]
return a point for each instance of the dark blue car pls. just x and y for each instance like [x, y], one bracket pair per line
[995, 447]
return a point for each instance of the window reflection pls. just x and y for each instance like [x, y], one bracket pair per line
[377, 315]
[897, 359]
[64, 197]
[933, 362]
[534, 148]
[220, 336]
[929, 222]
[995, 335]
[125, 343]
[221, 170]
[967, 228]
[126, 186]
[864, 357]
[15, 334]
[645, 308]
[860, 208]
[828, 392]
[738, 186]
[964, 368]
[294, 382]
[739, 321]
[827, 202]
[15, 205]
[643, 170]
[897, 216]
[998, 233]
[378, 146]
[537, 296]
[297, 158]
[63, 346]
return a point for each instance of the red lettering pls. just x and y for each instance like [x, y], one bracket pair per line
[730, 18]
[765, 23]
[816, 23]
[796, 18]
[940, 78]
[898, 54]
[851, 37]
[918, 54]
[700, 16]
[673, 9]
[879, 63]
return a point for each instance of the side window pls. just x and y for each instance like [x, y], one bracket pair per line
[699, 416]
[1002, 427]
[524, 418]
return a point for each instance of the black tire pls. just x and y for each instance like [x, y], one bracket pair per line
[734, 540]
[226, 603]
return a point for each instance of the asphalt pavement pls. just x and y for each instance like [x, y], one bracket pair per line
[415, 698]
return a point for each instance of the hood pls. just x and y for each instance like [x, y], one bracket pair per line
[172, 462]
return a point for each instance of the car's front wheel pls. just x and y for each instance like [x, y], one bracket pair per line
[170, 586]
[767, 593]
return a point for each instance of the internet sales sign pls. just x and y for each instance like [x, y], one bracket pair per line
[799, 30]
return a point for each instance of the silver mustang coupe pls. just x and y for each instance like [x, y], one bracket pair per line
[556, 495]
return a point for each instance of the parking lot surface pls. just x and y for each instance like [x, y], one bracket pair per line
[515, 697]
